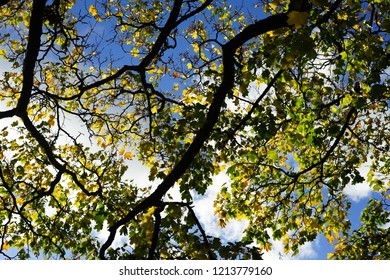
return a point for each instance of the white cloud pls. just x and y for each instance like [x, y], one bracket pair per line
[104, 234]
[386, 226]
[138, 172]
[204, 209]
[306, 251]
[362, 190]
[234, 230]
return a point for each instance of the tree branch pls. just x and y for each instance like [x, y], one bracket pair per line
[3, 2]
[156, 231]
[334, 145]
[202, 232]
[32, 52]
[255, 104]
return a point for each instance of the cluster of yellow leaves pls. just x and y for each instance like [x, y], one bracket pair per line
[94, 12]
[126, 154]
[190, 97]
[3, 53]
[148, 224]
[134, 52]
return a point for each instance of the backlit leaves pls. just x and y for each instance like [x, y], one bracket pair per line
[297, 18]
[289, 106]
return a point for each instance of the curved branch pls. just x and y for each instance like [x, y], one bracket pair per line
[33, 47]
[51, 156]
[255, 104]
[32, 52]
[169, 26]
[172, 23]
[8, 113]
[333, 147]
[114, 76]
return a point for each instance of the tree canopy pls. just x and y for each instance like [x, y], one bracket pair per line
[288, 99]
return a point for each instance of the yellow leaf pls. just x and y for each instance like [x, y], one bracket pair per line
[189, 65]
[154, 110]
[196, 47]
[240, 216]
[297, 18]
[5, 246]
[222, 223]
[20, 201]
[334, 109]
[176, 87]
[2, 52]
[92, 10]
[51, 120]
[134, 52]
[342, 16]
[274, 4]
[330, 255]
[267, 246]
[194, 35]
[127, 155]
[122, 151]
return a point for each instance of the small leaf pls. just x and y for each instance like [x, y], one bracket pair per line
[377, 91]
[153, 110]
[5, 246]
[297, 18]
[127, 155]
[273, 155]
[134, 52]
[92, 10]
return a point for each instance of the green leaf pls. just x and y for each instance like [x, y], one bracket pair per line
[377, 91]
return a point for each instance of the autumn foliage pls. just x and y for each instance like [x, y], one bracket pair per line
[289, 100]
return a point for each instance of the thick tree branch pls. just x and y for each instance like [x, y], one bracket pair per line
[32, 52]
[8, 113]
[161, 39]
[3, 2]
